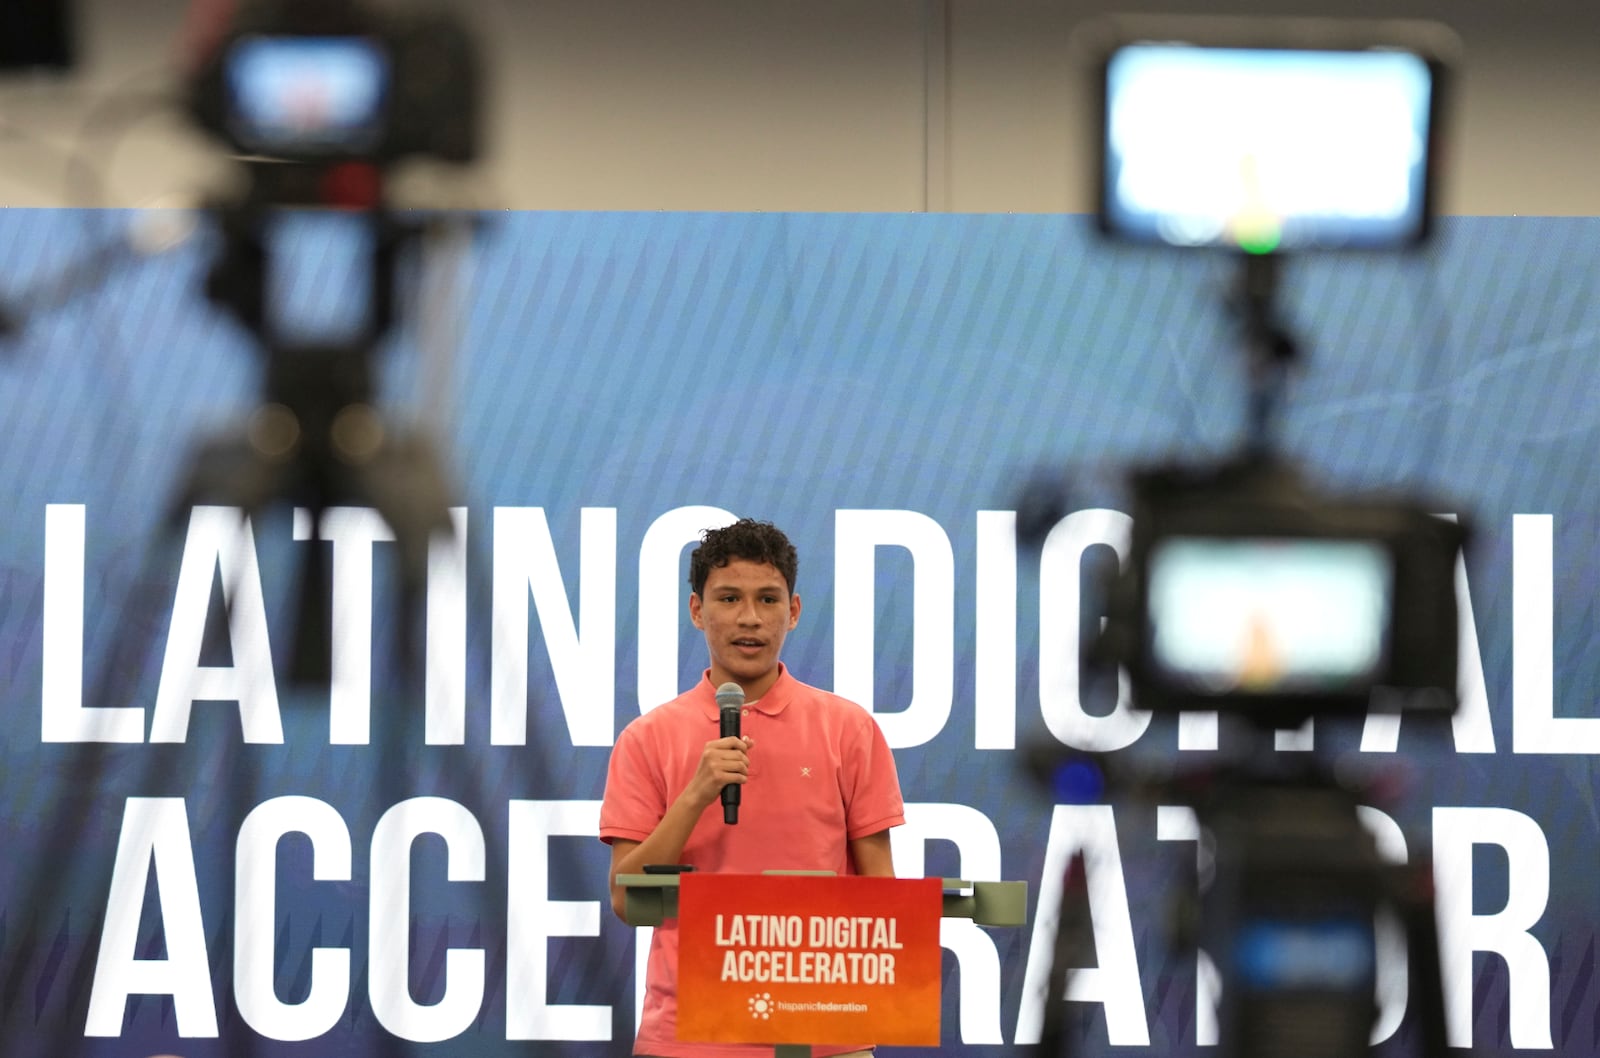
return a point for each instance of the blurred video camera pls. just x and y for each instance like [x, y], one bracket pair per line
[1248, 592]
[324, 81]
[1251, 594]
[320, 99]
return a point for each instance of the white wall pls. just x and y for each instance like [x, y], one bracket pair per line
[870, 105]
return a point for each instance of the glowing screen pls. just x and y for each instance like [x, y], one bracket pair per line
[1266, 149]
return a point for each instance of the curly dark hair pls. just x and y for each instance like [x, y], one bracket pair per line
[746, 539]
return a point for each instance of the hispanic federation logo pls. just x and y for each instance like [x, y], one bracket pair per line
[761, 1006]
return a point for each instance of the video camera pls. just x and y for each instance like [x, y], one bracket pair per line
[320, 99]
[324, 81]
[1247, 591]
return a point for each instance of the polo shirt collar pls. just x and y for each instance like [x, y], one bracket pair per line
[771, 704]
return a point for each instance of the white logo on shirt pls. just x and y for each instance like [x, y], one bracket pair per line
[805, 773]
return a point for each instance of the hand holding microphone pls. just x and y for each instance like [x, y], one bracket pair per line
[730, 705]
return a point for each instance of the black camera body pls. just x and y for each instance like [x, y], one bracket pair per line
[1250, 593]
[327, 82]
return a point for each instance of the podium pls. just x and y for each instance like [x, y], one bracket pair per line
[796, 958]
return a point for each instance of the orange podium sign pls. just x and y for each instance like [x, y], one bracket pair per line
[808, 959]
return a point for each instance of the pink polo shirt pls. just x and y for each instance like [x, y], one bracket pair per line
[821, 774]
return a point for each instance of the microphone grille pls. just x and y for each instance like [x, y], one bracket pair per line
[730, 696]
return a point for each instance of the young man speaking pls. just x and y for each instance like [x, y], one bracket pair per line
[818, 784]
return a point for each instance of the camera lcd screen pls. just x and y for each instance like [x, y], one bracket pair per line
[1265, 616]
[1266, 149]
[307, 95]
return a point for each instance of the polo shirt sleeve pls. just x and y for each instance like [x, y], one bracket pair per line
[635, 798]
[872, 785]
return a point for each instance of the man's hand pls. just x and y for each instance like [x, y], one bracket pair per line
[723, 761]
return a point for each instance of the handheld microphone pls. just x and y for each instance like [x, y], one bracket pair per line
[730, 703]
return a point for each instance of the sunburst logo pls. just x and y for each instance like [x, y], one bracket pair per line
[761, 1006]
